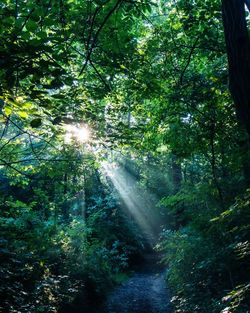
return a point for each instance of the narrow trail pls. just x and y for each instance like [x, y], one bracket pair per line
[144, 292]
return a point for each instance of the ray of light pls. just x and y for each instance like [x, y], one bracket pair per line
[138, 204]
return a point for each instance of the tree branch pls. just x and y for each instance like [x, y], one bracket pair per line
[89, 52]
[189, 59]
[7, 142]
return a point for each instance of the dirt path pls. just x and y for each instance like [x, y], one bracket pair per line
[144, 292]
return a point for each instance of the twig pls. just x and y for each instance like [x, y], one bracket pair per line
[89, 52]
[15, 169]
[188, 60]
[99, 75]
[28, 133]
[5, 127]
[7, 142]
[37, 159]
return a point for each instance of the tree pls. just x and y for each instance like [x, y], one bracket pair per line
[238, 52]
[149, 80]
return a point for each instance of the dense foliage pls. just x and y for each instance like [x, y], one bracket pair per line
[118, 124]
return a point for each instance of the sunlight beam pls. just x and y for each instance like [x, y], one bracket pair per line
[137, 203]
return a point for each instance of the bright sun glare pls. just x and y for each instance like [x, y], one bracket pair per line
[79, 133]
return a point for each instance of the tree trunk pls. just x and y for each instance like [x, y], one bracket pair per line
[179, 215]
[176, 173]
[238, 52]
[213, 162]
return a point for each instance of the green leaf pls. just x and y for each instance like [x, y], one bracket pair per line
[22, 114]
[42, 35]
[7, 110]
[31, 26]
[25, 35]
[37, 122]
[27, 105]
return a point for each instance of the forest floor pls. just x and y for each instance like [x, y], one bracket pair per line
[144, 292]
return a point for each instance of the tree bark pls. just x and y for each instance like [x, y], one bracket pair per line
[176, 173]
[238, 52]
[213, 162]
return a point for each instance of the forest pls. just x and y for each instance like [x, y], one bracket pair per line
[125, 156]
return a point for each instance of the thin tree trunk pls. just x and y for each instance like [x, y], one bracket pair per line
[177, 180]
[213, 166]
[176, 173]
